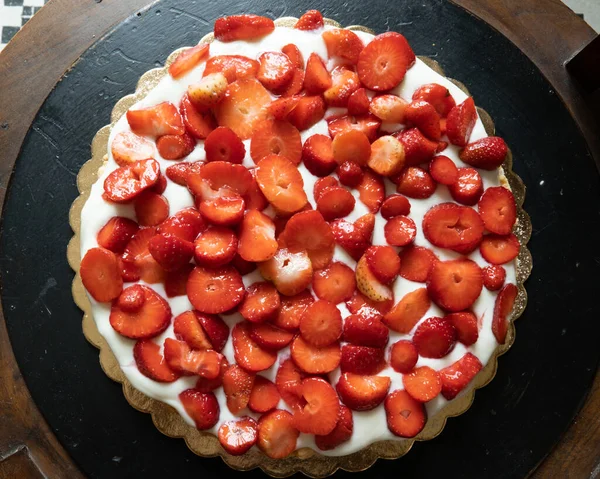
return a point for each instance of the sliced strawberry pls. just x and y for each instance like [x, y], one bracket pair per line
[277, 436]
[101, 274]
[203, 408]
[383, 63]
[188, 59]
[215, 328]
[293, 53]
[234, 67]
[371, 191]
[215, 291]
[157, 120]
[368, 284]
[502, 309]
[335, 283]
[335, 202]
[498, 210]
[176, 281]
[355, 237]
[362, 393]
[487, 153]
[175, 147]
[215, 247]
[274, 137]
[242, 27]
[243, 106]
[294, 87]
[408, 311]
[343, 43]
[178, 173]
[160, 186]
[417, 148]
[281, 183]
[311, 20]
[137, 253]
[254, 198]
[389, 108]
[443, 170]
[319, 414]
[317, 155]
[387, 156]
[151, 209]
[237, 436]
[264, 395]
[384, 263]
[316, 77]
[148, 321]
[248, 354]
[465, 323]
[497, 249]
[290, 272]
[458, 375]
[125, 183]
[151, 363]
[180, 357]
[423, 383]
[344, 82]
[223, 211]
[222, 144]
[368, 124]
[468, 188]
[314, 360]
[270, 337]
[455, 285]
[340, 434]
[358, 103]
[185, 224]
[187, 328]
[435, 337]
[452, 226]
[116, 233]
[170, 252]
[292, 309]
[321, 324]
[460, 122]
[209, 91]
[437, 95]
[365, 330]
[205, 385]
[351, 145]
[129, 271]
[243, 266]
[288, 380]
[494, 277]
[395, 205]
[131, 299]
[275, 70]
[198, 124]
[281, 107]
[360, 304]
[308, 111]
[218, 179]
[237, 385]
[323, 183]
[415, 182]
[362, 359]
[257, 237]
[403, 356]
[425, 117]
[261, 302]
[127, 148]
[350, 174]
[400, 231]
[406, 417]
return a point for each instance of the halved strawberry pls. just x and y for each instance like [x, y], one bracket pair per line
[150, 320]
[137, 254]
[176, 281]
[127, 148]
[403, 356]
[275, 137]
[257, 237]
[465, 323]
[368, 124]
[203, 408]
[314, 360]
[417, 148]
[281, 107]
[316, 77]
[455, 285]
[323, 183]
[185, 224]
[311, 20]
[498, 210]
[275, 70]
[294, 87]
[387, 156]
[406, 417]
[261, 302]
[502, 309]
[395, 205]
[222, 144]
[215, 291]
[237, 386]
[368, 284]
[151, 363]
[270, 337]
[435, 337]
[343, 43]
[243, 106]
[335, 202]
[400, 231]
[335, 283]
[383, 63]
[237, 436]
[234, 67]
[205, 385]
[468, 187]
[209, 91]
[321, 324]
[365, 330]
[116, 233]
[437, 95]
[360, 304]
[101, 274]
[223, 210]
[452, 226]
[290, 272]
[390, 108]
[344, 82]
[219, 179]
[361, 359]
[188, 59]
[179, 172]
[423, 383]
[151, 209]
[187, 328]
[243, 266]
[494, 277]
[384, 263]
[443, 170]
[247, 353]
[355, 237]
[358, 103]
[487, 153]
[264, 395]
[350, 174]
[408, 311]
[460, 122]
[215, 328]
[277, 436]
[415, 182]
[371, 191]
[425, 117]
[157, 120]
[292, 309]
[288, 381]
[170, 252]
[351, 145]
[497, 249]
[180, 357]
[319, 414]
[340, 434]
[308, 111]
[175, 147]
[458, 375]
[242, 27]
[131, 299]
[293, 53]
[125, 183]
[129, 271]
[254, 198]
[197, 123]
[317, 155]
[281, 183]
[215, 247]
[160, 186]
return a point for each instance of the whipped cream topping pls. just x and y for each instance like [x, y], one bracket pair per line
[369, 426]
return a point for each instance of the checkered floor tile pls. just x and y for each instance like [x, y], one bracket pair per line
[14, 14]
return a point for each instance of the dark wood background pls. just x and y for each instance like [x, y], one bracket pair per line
[545, 30]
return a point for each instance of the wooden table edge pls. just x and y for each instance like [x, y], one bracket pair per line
[26, 441]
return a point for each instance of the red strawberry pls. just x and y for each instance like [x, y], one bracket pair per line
[292, 309]
[416, 263]
[316, 77]
[311, 20]
[281, 183]
[243, 106]
[278, 138]
[343, 43]
[437, 95]
[215, 247]
[468, 188]
[187, 328]
[129, 271]
[131, 299]
[261, 302]
[125, 183]
[160, 186]
[355, 237]
[406, 417]
[116, 233]
[452, 226]
[242, 27]
[415, 182]
[101, 274]
[460, 122]
[435, 337]
[290, 272]
[387, 156]
[151, 363]
[321, 324]
[281, 107]
[222, 144]
[215, 328]
[277, 435]
[368, 124]
[234, 67]
[365, 330]
[360, 304]
[254, 198]
[335, 283]
[340, 434]
[358, 103]
[323, 183]
[317, 155]
[270, 337]
[403, 356]
[148, 321]
[157, 120]
[243, 266]
[215, 291]
[344, 82]
[494, 277]
[197, 123]
[137, 253]
[294, 88]
[383, 63]
[465, 323]
[368, 284]
[237, 436]
[293, 53]
[455, 285]
[203, 408]
[487, 153]
[185, 224]
[218, 179]
[264, 395]
[257, 237]
[205, 385]
[223, 210]
[351, 145]
[417, 148]
[423, 383]
[180, 357]
[425, 117]
[247, 353]
[443, 170]
[127, 148]
[400, 231]
[320, 412]
[237, 386]
[458, 375]
[188, 59]
[308, 111]
[498, 210]
[335, 202]
[502, 309]
[176, 281]
[395, 205]
[170, 252]
[384, 263]
[371, 191]
[178, 173]
[313, 360]
[390, 108]
[275, 71]
[350, 174]
[408, 311]
[151, 209]
[497, 249]
[209, 91]
[175, 147]
[289, 380]
[361, 359]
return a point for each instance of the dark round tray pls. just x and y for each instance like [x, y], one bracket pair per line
[541, 383]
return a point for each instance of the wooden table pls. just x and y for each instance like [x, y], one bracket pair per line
[545, 30]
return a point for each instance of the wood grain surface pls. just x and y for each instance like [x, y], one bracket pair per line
[545, 30]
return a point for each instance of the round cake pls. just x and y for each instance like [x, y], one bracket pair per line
[302, 237]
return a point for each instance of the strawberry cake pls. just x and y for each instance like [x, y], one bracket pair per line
[301, 238]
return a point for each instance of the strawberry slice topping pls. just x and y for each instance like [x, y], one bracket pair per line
[455, 285]
[237, 436]
[344, 44]
[234, 67]
[321, 324]
[335, 283]
[281, 183]
[242, 27]
[340, 434]
[408, 311]
[371, 191]
[423, 383]
[350, 174]
[275, 70]
[248, 354]
[175, 147]
[395, 205]
[290, 272]
[222, 144]
[317, 155]
[465, 323]
[277, 436]
[308, 111]
[437, 95]
[362, 393]
[261, 302]
[443, 170]
[216, 290]
[257, 237]
[131, 299]
[452, 226]
[197, 123]
[157, 120]
[417, 148]
[415, 182]
[270, 337]
[317, 78]
[264, 395]
[498, 210]
[359, 103]
[101, 275]
[176, 281]
[344, 83]
[185, 224]
[292, 309]
[468, 187]
[281, 107]
[425, 117]
[125, 183]
[460, 122]
[497, 249]
[288, 381]
[127, 148]
[170, 252]
[351, 145]
[188, 59]
[274, 137]
[368, 284]
[502, 309]
[203, 408]
[457, 376]
[293, 53]
[116, 233]
[403, 356]
[400, 231]
[319, 415]
[151, 363]
[390, 108]
[180, 357]
[215, 247]
[187, 327]
[362, 359]
[494, 277]
[368, 124]
[148, 321]
[406, 416]
[314, 360]
[355, 237]
[237, 386]
[488, 153]
[335, 202]
[384, 262]
[365, 329]
[209, 91]
[151, 209]
[311, 20]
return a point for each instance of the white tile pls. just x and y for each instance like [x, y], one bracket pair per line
[10, 16]
[33, 3]
[590, 10]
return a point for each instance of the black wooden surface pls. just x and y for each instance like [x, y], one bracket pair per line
[541, 382]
